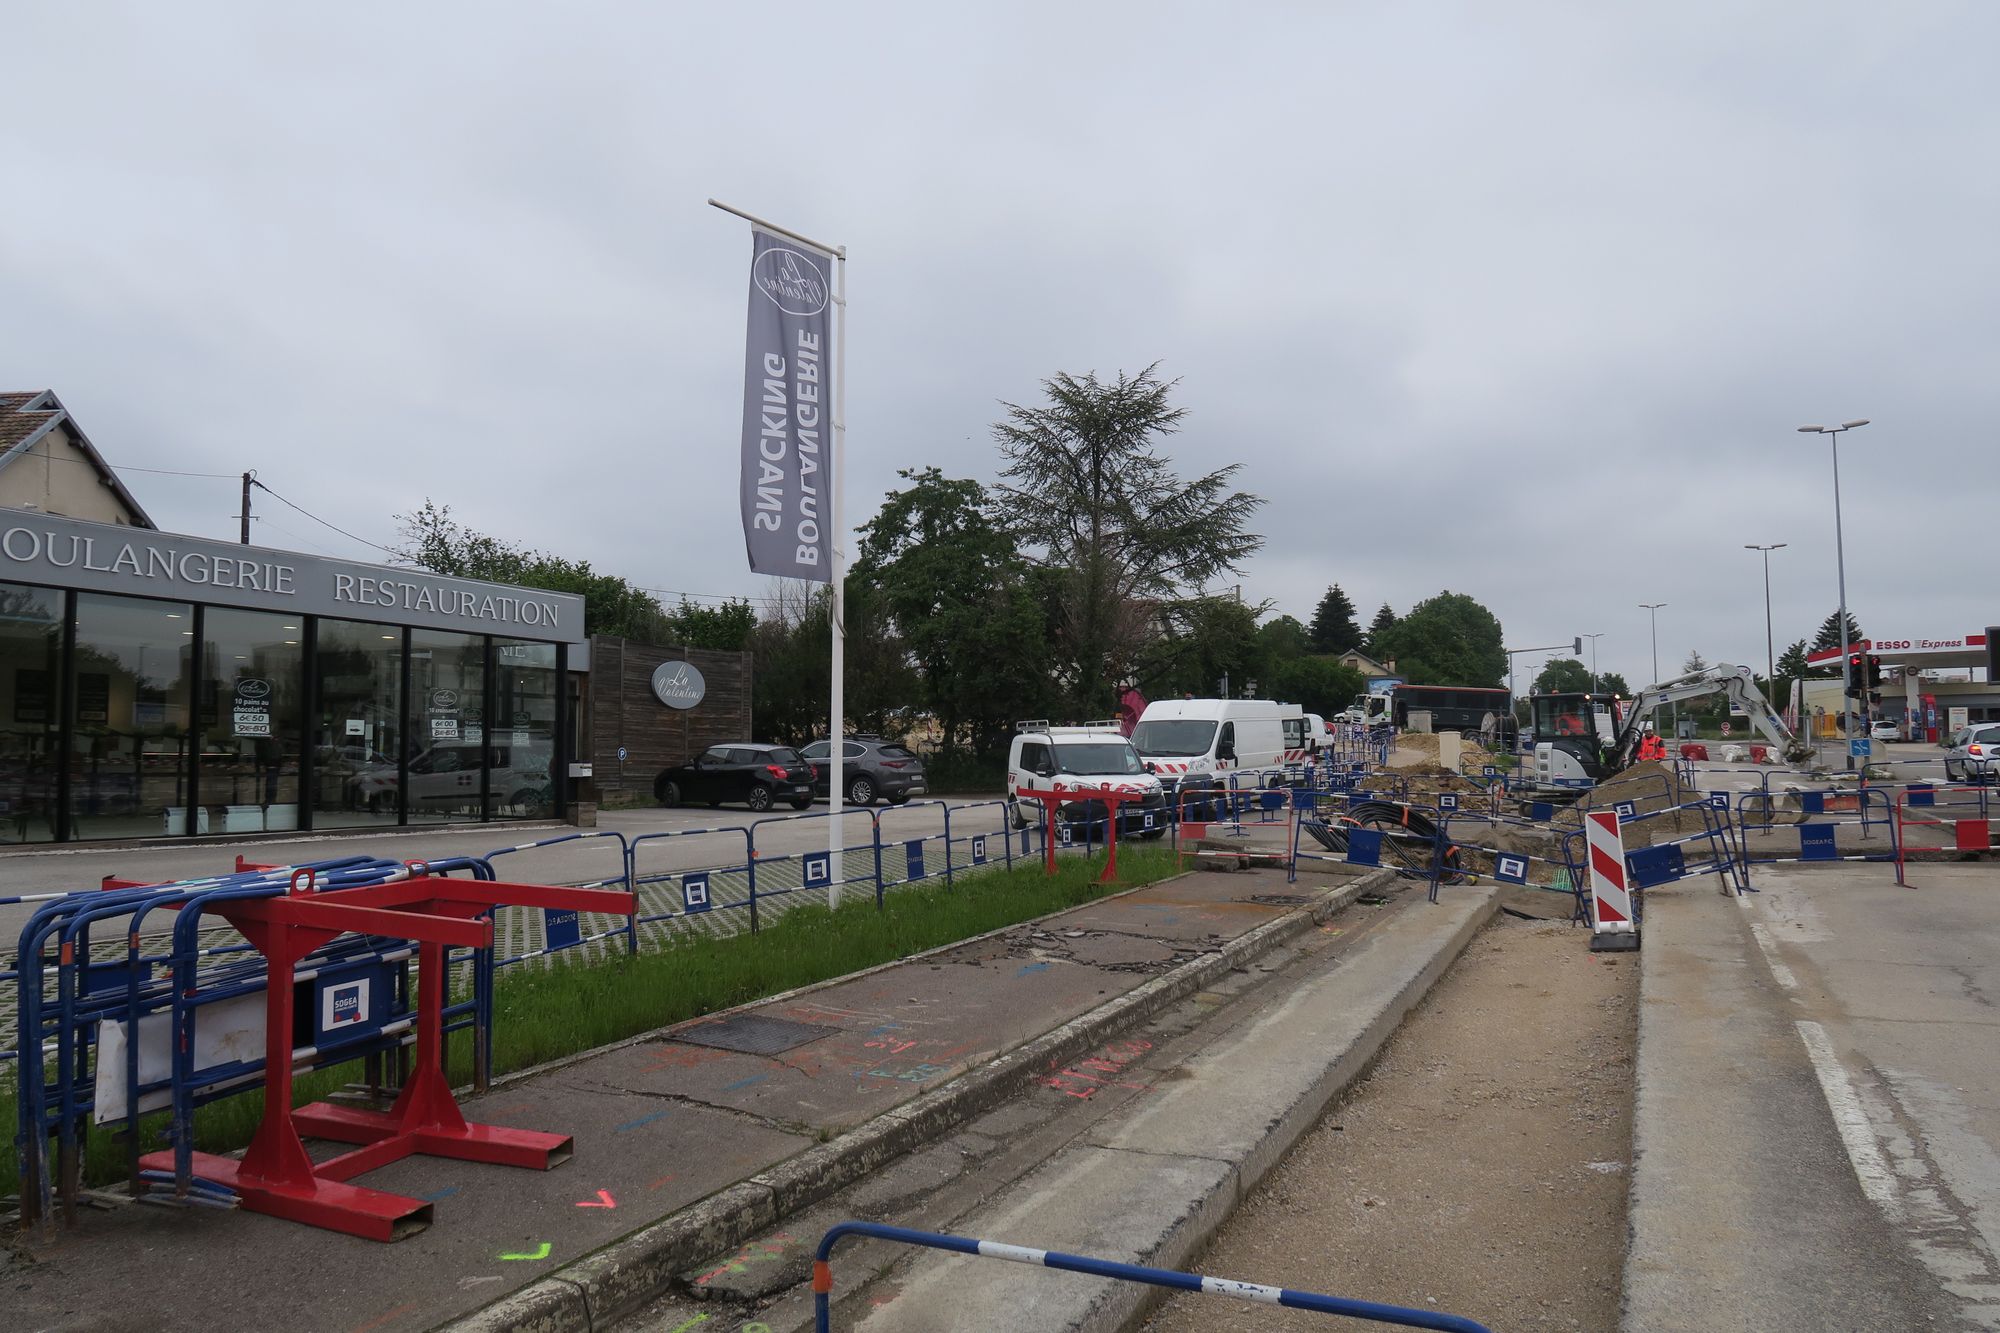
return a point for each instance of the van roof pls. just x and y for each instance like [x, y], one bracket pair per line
[1212, 709]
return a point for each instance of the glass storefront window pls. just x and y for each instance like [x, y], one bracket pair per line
[448, 725]
[252, 679]
[129, 719]
[521, 749]
[31, 621]
[357, 723]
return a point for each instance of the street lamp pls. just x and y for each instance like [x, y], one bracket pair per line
[1833, 434]
[1654, 609]
[1593, 658]
[1770, 650]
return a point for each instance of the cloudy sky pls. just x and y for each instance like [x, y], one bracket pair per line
[1524, 300]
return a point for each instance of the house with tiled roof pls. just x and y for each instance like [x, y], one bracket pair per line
[47, 464]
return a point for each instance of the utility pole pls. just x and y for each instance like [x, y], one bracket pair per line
[244, 534]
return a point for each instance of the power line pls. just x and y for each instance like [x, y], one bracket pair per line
[123, 467]
[322, 522]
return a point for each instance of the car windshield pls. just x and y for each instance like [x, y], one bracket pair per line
[817, 750]
[1163, 735]
[1097, 757]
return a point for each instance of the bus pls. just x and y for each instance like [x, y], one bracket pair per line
[1452, 707]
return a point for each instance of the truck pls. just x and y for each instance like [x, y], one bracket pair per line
[1583, 739]
[1472, 708]
[1193, 745]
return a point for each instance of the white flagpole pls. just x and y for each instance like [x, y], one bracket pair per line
[836, 546]
[837, 543]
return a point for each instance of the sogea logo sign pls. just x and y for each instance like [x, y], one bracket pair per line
[792, 281]
[678, 684]
[344, 1004]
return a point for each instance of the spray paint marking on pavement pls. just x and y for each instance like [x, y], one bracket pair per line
[642, 1120]
[542, 1253]
[603, 1200]
[756, 1252]
[1084, 1079]
[386, 1319]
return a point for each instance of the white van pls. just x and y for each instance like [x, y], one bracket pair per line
[1193, 742]
[1050, 759]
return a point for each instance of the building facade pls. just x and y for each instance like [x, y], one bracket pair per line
[159, 685]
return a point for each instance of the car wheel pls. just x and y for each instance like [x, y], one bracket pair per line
[760, 798]
[801, 802]
[668, 792]
[861, 791]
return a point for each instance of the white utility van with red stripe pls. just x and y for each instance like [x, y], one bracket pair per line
[1194, 743]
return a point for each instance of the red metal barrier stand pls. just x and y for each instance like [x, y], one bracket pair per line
[276, 1175]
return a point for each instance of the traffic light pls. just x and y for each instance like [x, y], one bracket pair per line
[1856, 675]
[1874, 671]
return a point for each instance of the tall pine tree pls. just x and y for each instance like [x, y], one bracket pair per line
[1334, 628]
[1385, 620]
[1829, 632]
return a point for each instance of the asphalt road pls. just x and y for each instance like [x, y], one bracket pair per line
[1905, 986]
[67, 869]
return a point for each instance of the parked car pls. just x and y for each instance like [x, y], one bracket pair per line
[1971, 756]
[757, 775]
[1885, 730]
[869, 767]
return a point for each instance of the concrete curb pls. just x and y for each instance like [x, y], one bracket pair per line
[1131, 1304]
[621, 1277]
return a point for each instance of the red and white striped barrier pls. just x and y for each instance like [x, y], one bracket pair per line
[1612, 928]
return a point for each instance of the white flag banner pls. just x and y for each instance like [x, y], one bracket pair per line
[788, 410]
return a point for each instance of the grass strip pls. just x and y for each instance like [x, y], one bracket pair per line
[546, 1013]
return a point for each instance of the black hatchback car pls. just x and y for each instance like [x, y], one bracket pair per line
[869, 767]
[758, 775]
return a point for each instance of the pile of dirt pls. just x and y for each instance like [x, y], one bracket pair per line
[1650, 787]
[1418, 750]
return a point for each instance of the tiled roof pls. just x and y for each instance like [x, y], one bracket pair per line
[20, 422]
[17, 425]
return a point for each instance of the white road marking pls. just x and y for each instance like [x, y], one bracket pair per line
[1857, 1134]
[1770, 949]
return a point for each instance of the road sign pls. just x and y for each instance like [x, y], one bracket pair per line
[621, 754]
[1860, 747]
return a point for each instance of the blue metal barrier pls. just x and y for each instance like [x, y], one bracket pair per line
[562, 930]
[979, 842]
[1256, 1293]
[697, 885]
[816, 870]
[1818, 837]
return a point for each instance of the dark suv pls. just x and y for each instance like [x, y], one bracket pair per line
[757, 775]
[869, 767]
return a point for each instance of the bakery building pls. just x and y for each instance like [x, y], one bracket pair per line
[153, 684]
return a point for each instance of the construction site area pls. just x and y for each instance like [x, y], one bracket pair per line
[1392, 1035]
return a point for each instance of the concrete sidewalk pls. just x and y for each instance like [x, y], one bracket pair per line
[1746, 1212]
[684, 1147]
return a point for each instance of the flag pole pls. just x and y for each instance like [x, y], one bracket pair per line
[836, 545]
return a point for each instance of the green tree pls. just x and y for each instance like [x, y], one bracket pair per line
[1204, 639]
[1563, 675]
[1334, 629]
[1378, 631]
[962, 600]
[1829, 632]
[1792, 662]
[726, 628]
[1087, 493]
[434, 540]
[1317, 684]
[1610, 682]
[1449, 639]
[1280, 639]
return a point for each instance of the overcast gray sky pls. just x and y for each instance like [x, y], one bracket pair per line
[1523, 301]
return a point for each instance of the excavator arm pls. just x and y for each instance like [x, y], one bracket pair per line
[1737, 683]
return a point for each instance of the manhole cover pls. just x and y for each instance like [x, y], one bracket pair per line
[753, 1034]
[1280, 899]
